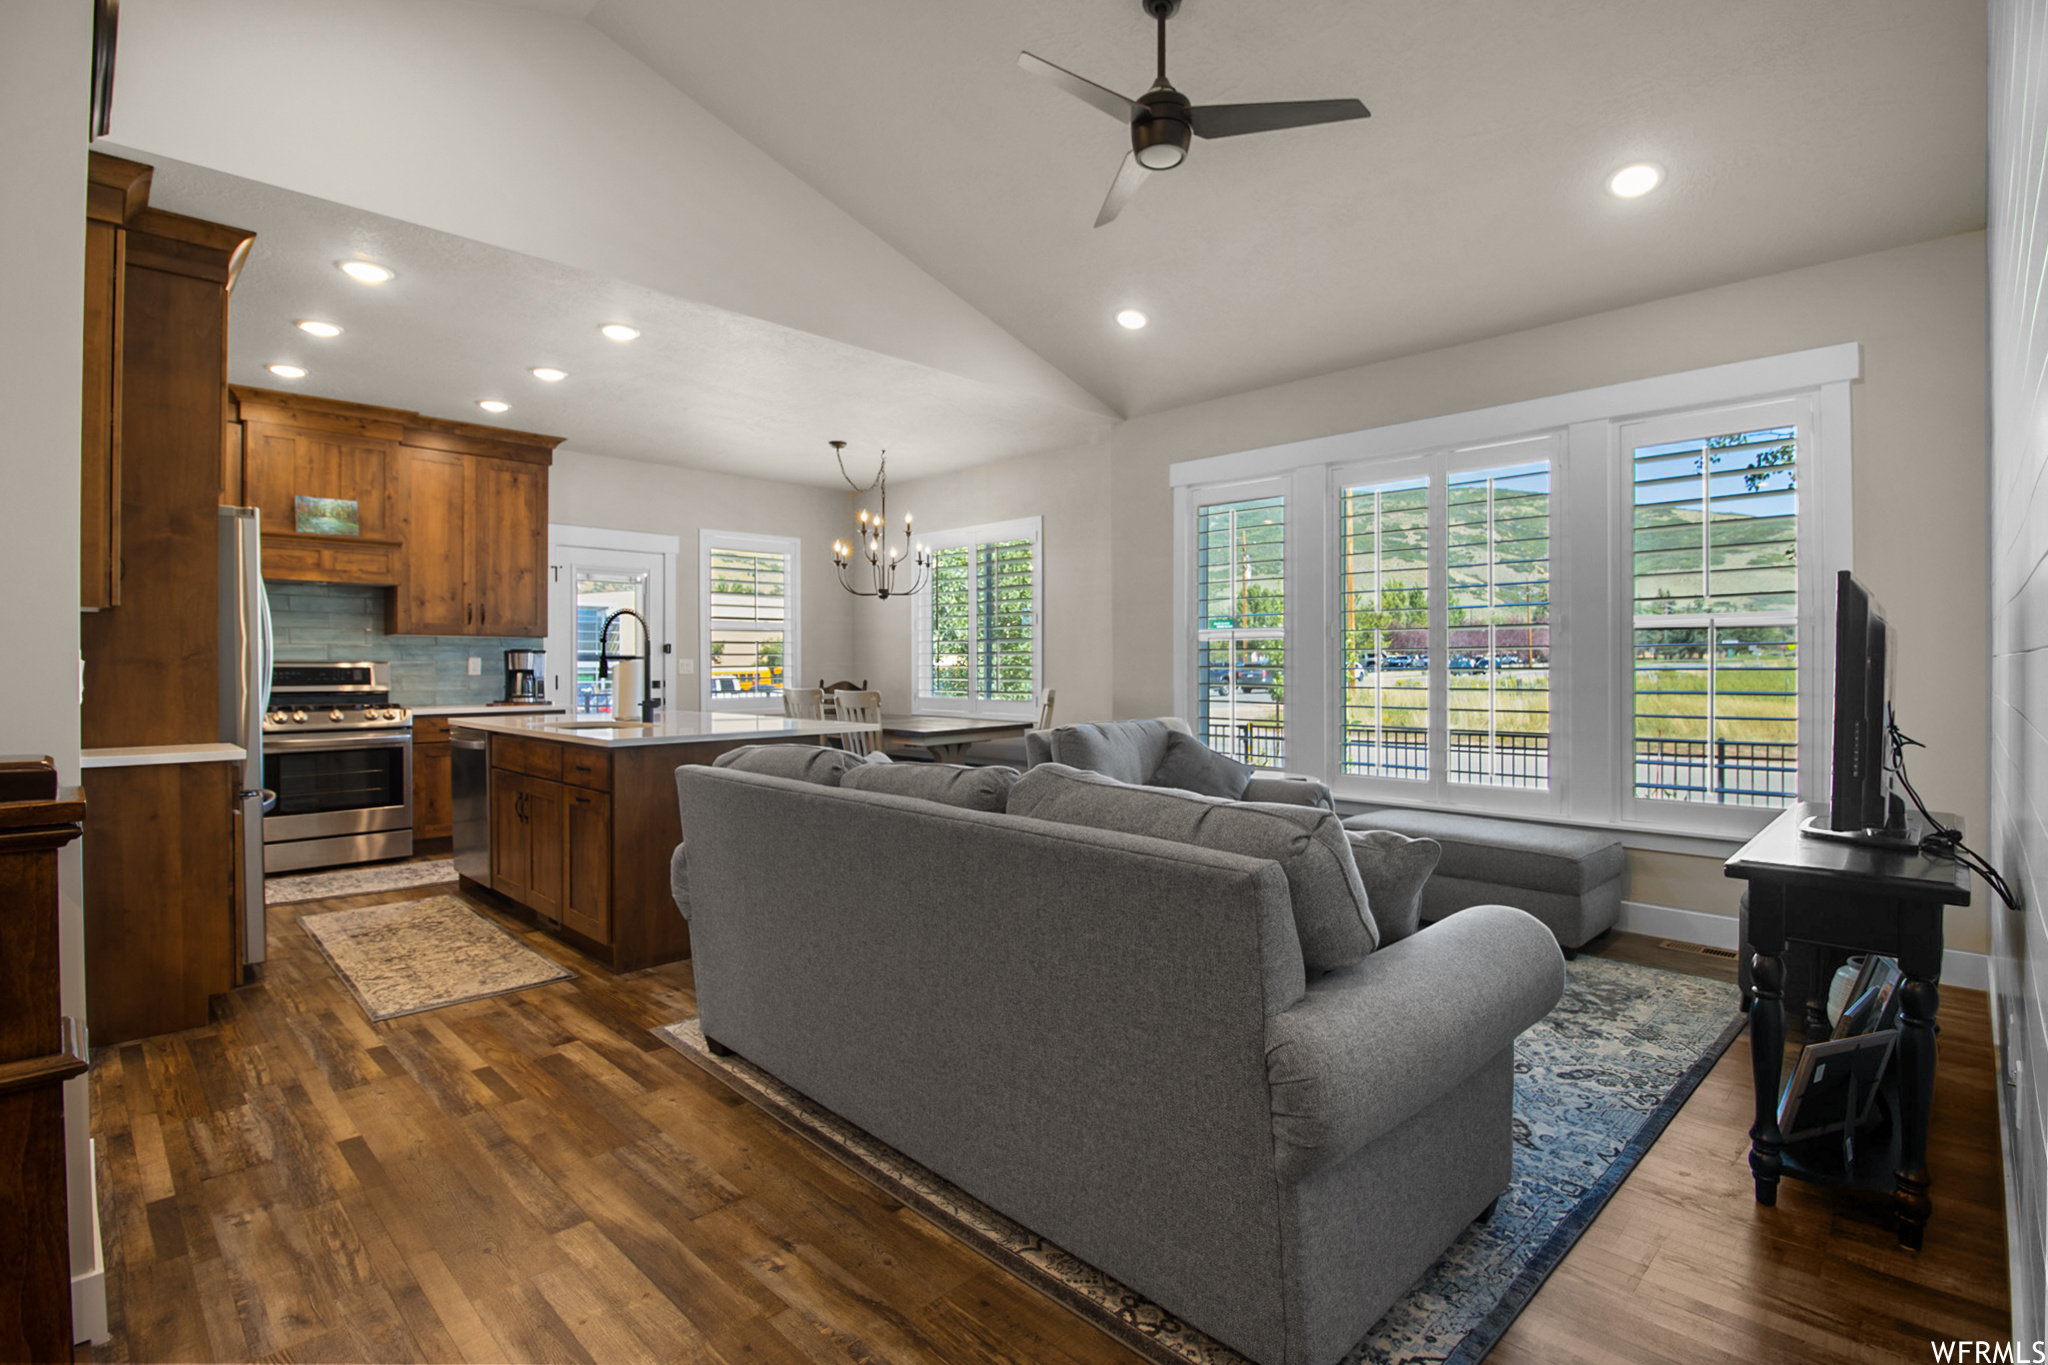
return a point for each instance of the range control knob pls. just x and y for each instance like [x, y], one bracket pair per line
[334, 715]
[298, 717]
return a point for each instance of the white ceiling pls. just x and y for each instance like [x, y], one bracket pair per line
[896, 246]
[1469, 204]
[463, 321]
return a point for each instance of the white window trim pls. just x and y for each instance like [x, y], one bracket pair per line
[1020, 528]
[1590, 574]
[792, 657]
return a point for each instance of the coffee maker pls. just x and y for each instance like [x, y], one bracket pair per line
[523, 675]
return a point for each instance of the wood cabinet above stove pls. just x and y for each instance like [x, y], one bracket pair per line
[453, 515]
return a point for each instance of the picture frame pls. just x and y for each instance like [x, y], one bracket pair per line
[326, 516]
[1816, 1101]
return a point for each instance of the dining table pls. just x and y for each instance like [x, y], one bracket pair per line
[946, 738]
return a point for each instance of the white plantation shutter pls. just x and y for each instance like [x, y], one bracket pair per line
[750, 619]
[976, 635]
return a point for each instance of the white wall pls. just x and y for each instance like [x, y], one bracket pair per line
[627, 495]
[2018, 768]
[533, 131]
[1919, 435]
[45, 60]
[1070, 489]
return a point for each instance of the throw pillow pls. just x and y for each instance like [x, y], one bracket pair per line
[1127, 750]
[1394, 869]
[1193, 766]
[803, 762]
[1331, 915]
[949, 784]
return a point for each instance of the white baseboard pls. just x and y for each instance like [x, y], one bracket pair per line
[1968, 971]
[89, 1286]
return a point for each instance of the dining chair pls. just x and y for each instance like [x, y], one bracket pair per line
[1045, 710]
[803, 703]
[864, 707]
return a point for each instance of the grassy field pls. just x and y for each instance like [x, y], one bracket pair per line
[1755, 705]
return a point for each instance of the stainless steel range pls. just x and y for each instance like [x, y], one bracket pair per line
[338, 754]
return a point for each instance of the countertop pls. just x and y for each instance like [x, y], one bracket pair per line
[144, 755]
[529, 708]
[678, 727]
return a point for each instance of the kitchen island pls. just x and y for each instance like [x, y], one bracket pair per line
[573, 822]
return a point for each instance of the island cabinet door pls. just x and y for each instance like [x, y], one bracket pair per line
[587, 879]
[511, 845]
[546, 832]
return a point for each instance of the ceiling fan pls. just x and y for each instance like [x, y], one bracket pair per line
[1162, 120]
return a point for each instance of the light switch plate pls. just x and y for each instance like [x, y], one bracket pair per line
[476, 667]
[685, 666]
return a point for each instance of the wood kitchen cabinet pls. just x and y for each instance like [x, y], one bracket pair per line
[153, 408]
[453, 514]
[553, 845]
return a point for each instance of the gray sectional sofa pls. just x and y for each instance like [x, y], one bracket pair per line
[1126, 1042]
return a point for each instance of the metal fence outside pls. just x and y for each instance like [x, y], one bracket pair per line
[1719, 771]
[1728, 772]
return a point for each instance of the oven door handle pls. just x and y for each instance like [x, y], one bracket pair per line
[314, 744]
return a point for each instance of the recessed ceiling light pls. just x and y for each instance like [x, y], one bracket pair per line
[287, 372]
[319, 329]
[550, 375]
[1131, 318]
[364, 271]
[493, 405]
[1633, 182]
[619, 331]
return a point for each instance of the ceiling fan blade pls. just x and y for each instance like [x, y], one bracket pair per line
[1233, 120]
[1129, 176]
[1108, 101]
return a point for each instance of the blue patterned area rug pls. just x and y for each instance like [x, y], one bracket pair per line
[1596, 1082]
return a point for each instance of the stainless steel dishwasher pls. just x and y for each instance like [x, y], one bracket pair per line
[470, 755]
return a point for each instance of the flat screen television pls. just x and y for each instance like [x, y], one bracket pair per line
[1861, 803]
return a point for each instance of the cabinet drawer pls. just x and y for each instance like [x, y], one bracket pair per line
[530, 756]
[430, 730]
[590, 768]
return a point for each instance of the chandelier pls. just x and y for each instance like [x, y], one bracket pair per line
[871, 542]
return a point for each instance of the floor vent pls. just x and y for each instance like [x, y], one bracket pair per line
[1726, 954]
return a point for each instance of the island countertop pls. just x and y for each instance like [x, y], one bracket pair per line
[674, 727]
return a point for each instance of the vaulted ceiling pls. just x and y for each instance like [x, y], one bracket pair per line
[868, 209]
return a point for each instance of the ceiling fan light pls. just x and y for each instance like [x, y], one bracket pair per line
[1161, 156]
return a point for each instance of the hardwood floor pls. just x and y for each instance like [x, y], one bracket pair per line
[533, 1177]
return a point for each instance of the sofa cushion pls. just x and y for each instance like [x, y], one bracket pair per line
[949, 784]
[1508, 852]
[1127, 750]
[1192, 766]
[679, 878]
[1394, 869]
[803, 762]
[1331, 913]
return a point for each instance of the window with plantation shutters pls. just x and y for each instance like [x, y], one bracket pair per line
[1714, 557]
[749, 628]
[1241, 629]
[1610, 608]
[976, 634]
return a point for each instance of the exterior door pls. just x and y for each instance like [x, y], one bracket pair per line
[590, 585]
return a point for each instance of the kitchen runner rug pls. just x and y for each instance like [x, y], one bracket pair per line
[1596, 1082]
[420, 955]
[356, 881]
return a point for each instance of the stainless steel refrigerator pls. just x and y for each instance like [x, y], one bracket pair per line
[246, 652]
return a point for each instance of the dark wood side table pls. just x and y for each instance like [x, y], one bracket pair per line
[39, 1051]
[1868, 900]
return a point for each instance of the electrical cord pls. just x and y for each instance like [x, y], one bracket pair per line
[1940, 840]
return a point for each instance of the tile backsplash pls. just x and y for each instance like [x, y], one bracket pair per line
[331, 622]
